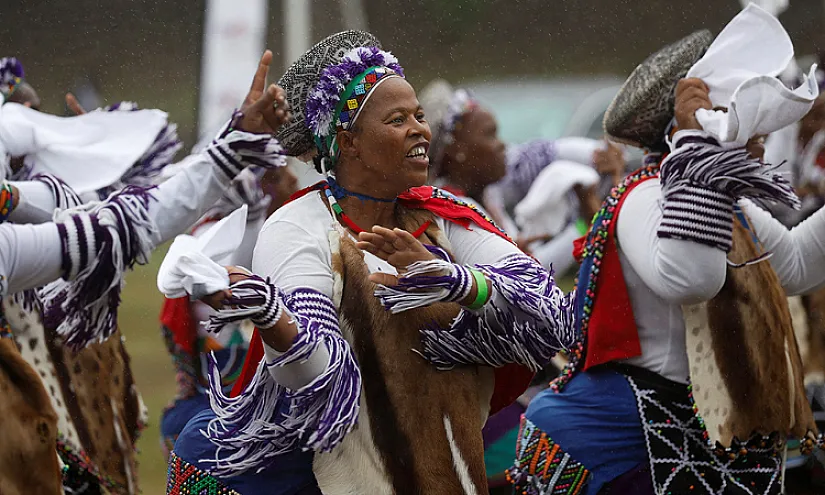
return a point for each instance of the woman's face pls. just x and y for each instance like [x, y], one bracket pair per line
[484, 153]
[389, 141]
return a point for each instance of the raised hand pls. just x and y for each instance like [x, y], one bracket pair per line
[691, 95]
[265, 108]
[216, 300]
[397, 247]
[610, 161]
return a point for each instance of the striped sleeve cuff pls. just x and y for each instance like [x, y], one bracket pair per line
[233, 149]
[698, 214]
[64, 196]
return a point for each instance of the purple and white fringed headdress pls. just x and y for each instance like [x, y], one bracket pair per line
[11, 74]
[342, 92]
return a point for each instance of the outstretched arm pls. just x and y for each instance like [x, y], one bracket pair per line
[512, 310]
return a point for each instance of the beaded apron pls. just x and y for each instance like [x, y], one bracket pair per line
[184, 479]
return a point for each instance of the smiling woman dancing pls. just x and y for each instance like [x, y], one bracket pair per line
[335, 390]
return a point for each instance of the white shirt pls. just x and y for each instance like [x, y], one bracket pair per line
[293, 250]
[663, 274]
[293, 245]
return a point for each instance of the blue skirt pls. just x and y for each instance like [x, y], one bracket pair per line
[289, 474]
[595, 420]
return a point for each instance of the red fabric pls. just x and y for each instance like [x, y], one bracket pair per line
[578, 248]
[510, 381]
[421, 198]
[612, 334]
[254, 355]
[177, 317]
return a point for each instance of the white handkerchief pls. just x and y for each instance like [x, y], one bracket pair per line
[740, 68]
[89, 151]
[189, 266]
[774, 7]
[546, 209]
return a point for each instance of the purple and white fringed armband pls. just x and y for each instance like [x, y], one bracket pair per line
[99, 242]
[527, 320]
[268, 419]
[702, 178]
[234, 149]
[425, 283]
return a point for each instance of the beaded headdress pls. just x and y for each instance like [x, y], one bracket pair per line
[445, 106]
[11, 74]
[327, 88]
[643, 108]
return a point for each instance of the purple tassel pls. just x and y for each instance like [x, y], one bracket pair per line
[233, 149]
[267, 419]
[437, 251]
[148, 167]
[324, 98]
[425, 283]
[700, 160]
[83, 307]
[527, 320]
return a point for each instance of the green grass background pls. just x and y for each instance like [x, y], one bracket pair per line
[151, 366]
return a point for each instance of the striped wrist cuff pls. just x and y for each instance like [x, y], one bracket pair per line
[226, 160]
[272, 309]
[462, 284]
[697, 214]
[80, 237]
[64, 196]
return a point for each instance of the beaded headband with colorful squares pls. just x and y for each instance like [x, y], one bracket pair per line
[342, 92]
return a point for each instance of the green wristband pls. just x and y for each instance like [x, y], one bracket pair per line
[482, 293]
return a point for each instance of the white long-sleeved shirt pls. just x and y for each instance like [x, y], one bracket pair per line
[663, 274]
[31, 256]
[294, 251]
[178, 202]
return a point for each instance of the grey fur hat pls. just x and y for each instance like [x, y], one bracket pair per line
[644, 106]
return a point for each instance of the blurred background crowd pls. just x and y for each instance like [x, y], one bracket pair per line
[545, 69]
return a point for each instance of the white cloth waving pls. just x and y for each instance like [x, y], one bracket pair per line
[89, 152]
[740, 68]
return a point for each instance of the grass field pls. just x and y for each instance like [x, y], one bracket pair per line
[151, 366]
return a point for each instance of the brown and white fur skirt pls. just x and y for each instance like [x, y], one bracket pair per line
[745, 366]
[419, 429]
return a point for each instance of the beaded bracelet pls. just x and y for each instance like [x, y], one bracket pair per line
[6, 201]
[482, 292]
